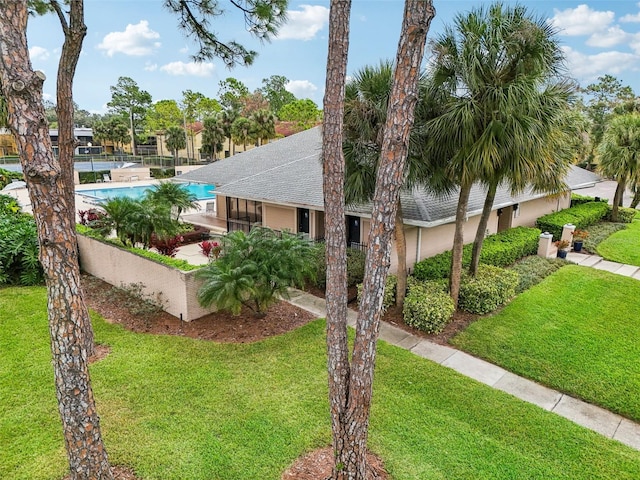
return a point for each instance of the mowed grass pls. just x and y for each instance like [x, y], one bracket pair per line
[623, 246]
[177, 408]
[577, 332]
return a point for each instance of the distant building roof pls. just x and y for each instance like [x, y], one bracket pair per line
[289, 172]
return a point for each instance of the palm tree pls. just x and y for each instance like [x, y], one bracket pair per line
[619, 154]
[504, 110]
[228, 117]
[175, 140]
[264, 123]
[213, 136]
[175, 195]
[241, 131]
[366, 100]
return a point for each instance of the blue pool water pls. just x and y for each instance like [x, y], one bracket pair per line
[200, 190]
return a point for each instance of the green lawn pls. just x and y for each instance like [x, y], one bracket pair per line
[623, 246]
[178, 408]
[577, 331]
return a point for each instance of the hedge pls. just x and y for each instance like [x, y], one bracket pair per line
[625, 215]
[355, 266]
[580, 199]
[582, 216]
[501, 250]
[389, 297]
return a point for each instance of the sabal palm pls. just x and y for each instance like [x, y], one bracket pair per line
[495, 66]
[175, 140]
[366, 100]
[173, 194]
[264, 123]
[213, 135]
[619, 154]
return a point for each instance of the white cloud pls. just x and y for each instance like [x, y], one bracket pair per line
[589, 67]
[301, 88]
[184, 49]
[150, 67]
[47, 96]
[38, 53]
[581, 20]
[631, 18]
[136, 40]
[304, 24]
[193, 69]
[607, 39]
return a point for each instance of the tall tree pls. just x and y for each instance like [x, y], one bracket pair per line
[50, 189]
[264, 125]
[231, 93]
[128, 100]
[162, 115]
[213, 136]
[619, 155]
[305, 112]
[351, 383]
[175, 140]
[274, 89]
[496, 66]
[366, 104]
[51, 186]
[242, 132]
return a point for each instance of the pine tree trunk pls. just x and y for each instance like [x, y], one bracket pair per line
[458, 244]
[350, 410]
[335, 227]
[74, 33]
[482, 227]
[401, 255]
[48, 192]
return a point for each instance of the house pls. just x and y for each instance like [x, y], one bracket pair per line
[279, 185]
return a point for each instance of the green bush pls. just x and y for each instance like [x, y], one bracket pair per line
[92, 177]
[19, 264]
[389, 292]
[163, 172]
[6, 176]
[427, 306]
[580, 199]
[534, 269]
[490, 288]
[355, 266]
[8, 205]
[582, 216]
[501, 250]
[625, 215]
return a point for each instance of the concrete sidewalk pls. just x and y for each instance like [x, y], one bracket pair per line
[589, 416]
[597, 262]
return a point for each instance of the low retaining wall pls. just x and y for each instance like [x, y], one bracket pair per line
[174, 289]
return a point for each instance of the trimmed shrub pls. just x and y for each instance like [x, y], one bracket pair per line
[163, 172]
[389, 292]
[625, 215]
[427, 306]
[92, 177]
[600, 232]
[490, 288]
[580, 199]
[501, 250]
[534, 269]
[6, 176]
[582, 216]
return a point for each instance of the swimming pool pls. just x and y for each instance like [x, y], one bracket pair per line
[202, 191]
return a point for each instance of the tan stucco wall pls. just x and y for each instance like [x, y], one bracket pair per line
[187, 168]
[530, 211]
[176, 290]
[279, 218]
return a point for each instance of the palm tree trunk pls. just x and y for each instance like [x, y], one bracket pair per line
[458, 244]
[482, 227]
[617, 199]
[636, 198]
[401, 252]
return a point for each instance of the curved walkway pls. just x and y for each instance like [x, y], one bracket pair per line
[595, 261]
[585, 414]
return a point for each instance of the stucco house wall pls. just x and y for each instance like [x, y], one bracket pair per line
[278, 217]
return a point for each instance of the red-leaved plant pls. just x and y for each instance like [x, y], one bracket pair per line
[167, 246]
[210, 249]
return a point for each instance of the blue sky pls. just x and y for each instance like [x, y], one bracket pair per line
[139, 39]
